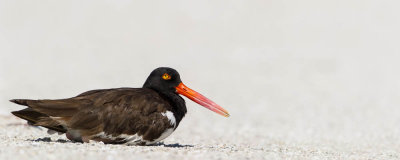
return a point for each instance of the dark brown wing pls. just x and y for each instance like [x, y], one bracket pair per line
[112, 111]
[122, 111]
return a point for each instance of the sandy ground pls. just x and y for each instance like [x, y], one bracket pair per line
[215, 137]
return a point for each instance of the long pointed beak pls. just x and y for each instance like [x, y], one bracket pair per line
[200, 99]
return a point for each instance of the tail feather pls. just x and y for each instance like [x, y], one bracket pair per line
[54, 108]
[29, 114]
[20, 101]
[39, 119]
[52, 114]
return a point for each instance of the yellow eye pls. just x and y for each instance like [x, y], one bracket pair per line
[166, 76]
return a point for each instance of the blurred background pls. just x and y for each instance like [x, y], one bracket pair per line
[286, 70]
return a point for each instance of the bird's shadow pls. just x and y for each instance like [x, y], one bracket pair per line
[175, 145]
[48, 139]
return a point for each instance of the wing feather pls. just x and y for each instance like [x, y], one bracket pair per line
[112, 111]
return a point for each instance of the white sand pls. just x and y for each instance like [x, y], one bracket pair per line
[213, 137]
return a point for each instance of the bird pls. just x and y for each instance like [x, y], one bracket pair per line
[131, 116]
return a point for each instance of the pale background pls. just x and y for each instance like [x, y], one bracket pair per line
[303, 72]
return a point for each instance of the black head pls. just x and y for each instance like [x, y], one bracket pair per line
[168, 82]
[163, 79]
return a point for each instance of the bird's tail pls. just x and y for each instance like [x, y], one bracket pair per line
[21, 101]
[36, 118]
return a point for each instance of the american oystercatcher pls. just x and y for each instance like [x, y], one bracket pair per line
[132, 116]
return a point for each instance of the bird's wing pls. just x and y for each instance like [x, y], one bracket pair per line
[112, 111]
[121, 111]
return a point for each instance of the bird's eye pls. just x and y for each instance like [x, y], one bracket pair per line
[166, 76]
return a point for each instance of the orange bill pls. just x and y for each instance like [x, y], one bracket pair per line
[200, 99]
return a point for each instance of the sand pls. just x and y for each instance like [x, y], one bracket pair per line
[199, 138]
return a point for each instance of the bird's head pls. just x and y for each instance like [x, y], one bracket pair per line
[167, 80]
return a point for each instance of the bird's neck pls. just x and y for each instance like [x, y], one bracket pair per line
[177, 103]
